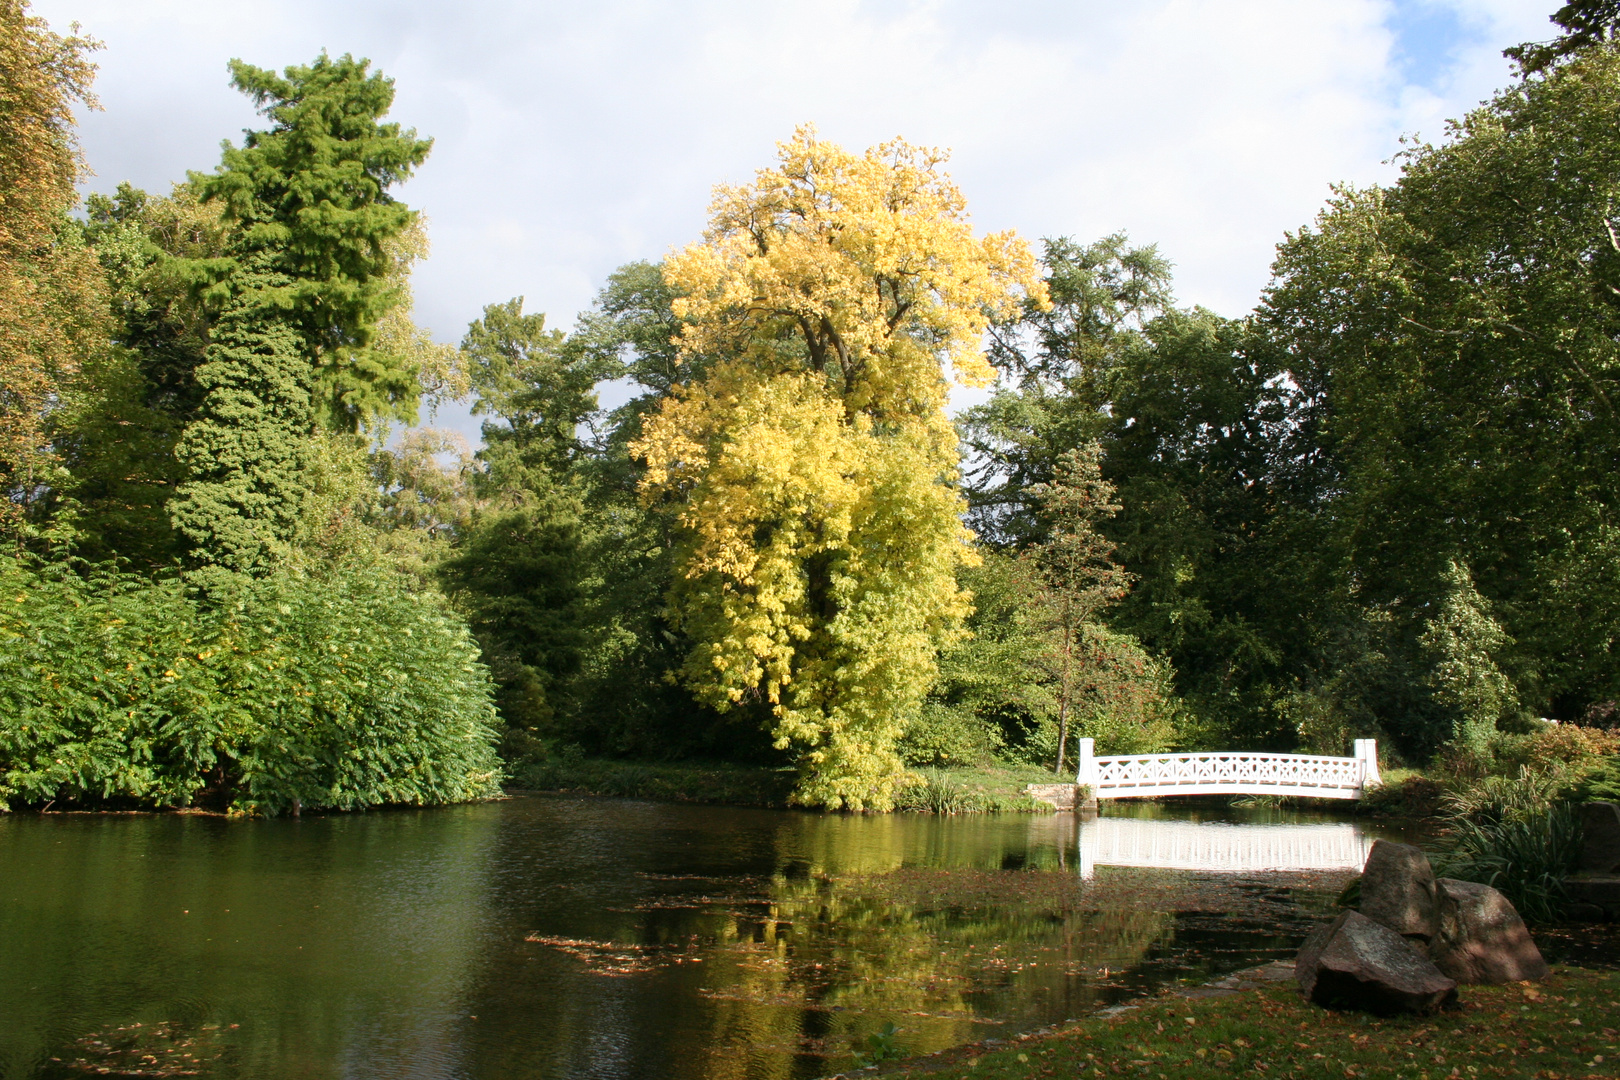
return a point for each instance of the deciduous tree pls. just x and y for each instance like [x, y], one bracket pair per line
[812, 468]
[51, 299]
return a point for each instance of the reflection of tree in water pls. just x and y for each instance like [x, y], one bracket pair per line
[831, 960]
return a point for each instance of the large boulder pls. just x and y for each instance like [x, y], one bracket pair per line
[1600, 837]
[1356, 963]
[1482, 939]
[1398, 890]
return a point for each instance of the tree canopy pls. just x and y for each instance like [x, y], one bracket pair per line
[811, 467]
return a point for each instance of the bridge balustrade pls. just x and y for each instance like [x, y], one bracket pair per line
[1228, 773]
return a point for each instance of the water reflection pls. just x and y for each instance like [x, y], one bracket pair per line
[1221, 847]
[556, 938]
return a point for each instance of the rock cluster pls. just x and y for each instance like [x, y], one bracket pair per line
[1415, 938]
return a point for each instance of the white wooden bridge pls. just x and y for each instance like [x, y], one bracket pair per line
[1228, 773]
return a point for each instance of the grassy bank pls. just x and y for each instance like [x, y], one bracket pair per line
[997, 788]
[1562, 1028]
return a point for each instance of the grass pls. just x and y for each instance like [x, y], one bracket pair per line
[989, 789]
[1559, 1029]
[995, 788]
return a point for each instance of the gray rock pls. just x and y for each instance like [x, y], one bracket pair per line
[1600, 837]
[1060, 796]
[1356, 963]
[1398, 891]
[1482, 939]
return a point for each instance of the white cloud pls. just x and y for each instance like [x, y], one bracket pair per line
[574, 137]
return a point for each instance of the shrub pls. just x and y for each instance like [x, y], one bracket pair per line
[1410, 796]
[334, 690]
[943, 734]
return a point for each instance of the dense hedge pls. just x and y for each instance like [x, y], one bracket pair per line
[333, 690]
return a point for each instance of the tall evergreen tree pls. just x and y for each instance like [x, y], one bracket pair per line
[296, 300]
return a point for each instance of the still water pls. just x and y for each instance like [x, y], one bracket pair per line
[557, 938]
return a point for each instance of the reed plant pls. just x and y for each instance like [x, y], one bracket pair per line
[1517, 835]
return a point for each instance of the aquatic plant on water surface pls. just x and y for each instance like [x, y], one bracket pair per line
[339, 689]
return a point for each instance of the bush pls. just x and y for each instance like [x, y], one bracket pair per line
[943, 734]
[336, 690]
[1546, 746]
[1601, 782]
[707, 782]
[1411, 796]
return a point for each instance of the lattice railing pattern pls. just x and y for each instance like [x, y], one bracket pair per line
[1236, 772]
[1280, 770]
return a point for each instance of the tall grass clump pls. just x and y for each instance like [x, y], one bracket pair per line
[938, 791]
[1516, 835]
[335, 689]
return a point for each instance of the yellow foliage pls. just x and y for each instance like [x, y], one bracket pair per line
[812, 469]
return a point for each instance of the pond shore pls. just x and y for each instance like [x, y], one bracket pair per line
[953, 790]
[1255, 1023]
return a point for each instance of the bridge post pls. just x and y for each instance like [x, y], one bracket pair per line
[1086, 776]
[1367, 752]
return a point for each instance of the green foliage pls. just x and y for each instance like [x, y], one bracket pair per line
[516, 574]
[947, 791]
[244, 453]
[1415, 321]
[309, 197]
[518, 565]
[990, 693]
[540, 390]
[1461, 638]
[1187, 411]
[335, 690]
[1055, 366]
[1601, 782]
[1511, 834]
[1076, 578]
[691, 781]
[1586, 24]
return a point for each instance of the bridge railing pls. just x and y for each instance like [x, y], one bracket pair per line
[1235, 773]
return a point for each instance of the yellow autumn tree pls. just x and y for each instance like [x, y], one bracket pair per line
[812, 467]
[51, 296]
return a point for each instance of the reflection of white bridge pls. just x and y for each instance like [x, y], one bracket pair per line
[1220, 848]
[1234, 773]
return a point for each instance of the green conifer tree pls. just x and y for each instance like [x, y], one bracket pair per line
[295, 301]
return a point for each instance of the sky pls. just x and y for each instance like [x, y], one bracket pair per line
[573, 137]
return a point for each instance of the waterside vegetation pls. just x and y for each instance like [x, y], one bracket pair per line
[235, 572]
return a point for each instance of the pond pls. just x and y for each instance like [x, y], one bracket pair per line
[553, 937]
